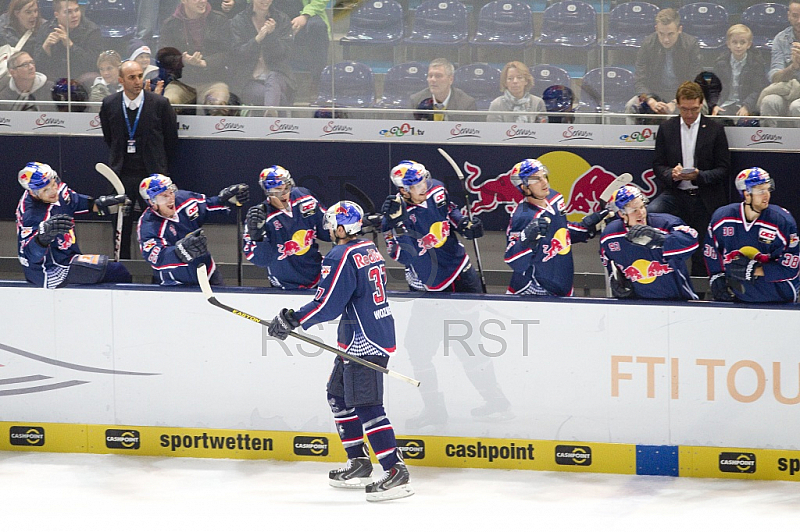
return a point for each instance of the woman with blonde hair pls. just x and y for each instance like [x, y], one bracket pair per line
[516, 82]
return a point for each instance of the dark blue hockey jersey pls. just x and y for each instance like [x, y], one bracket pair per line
[289, 251]
[158, 236]
[659, 273]
[549, 269]
[353, 286]
[770, 239]
[47, 266]
[430, 249]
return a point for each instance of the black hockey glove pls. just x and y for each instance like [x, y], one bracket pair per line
[621, 286]
[591, 221]
[372, 222]
[284, 323]
[394, 209]
[644, 235]
[720, 290]
[60, 224]
[741, 269]
[256, 222]
[470, 229]
[104, 202]
[535, 231]
[192, 246]
[235, 195]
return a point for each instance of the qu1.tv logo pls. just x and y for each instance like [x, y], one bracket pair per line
[27, 436]
[122, 439]
[310, 445]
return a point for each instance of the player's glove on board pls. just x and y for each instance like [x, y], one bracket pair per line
[49, 229]
[235, 195]
[284, 323]
[192, 246]
[256, 222]
[104, 202]
[719, 288]
[470, 229]
[535, 231]
[644, 235]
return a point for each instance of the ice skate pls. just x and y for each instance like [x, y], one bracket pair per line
[498, 409]
[392, 485]
[354, 475]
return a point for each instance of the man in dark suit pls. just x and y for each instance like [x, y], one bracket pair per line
[141, 131]
[441, 95]
[692, 166]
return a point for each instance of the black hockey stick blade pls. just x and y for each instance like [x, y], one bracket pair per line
[205, 286]
[361, 196]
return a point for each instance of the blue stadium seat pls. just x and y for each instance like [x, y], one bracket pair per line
[765, 21]
[402, 81]
[479, 80]
[612, 97]
[440, 23]
[629, 24]
[346, 84]
[375, 22]
[504, 23]
[569, 24]
[706, 21]
[546, 75]
[116, 18]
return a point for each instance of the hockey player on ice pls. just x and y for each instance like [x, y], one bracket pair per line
[46, 243]
[281, 232]
[169, 230]
[353, 287]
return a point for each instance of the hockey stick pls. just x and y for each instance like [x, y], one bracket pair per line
[460, 175]
[205, 286]
[605, 196]
[112, 177]
[239, 244]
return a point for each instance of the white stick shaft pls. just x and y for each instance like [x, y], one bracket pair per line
[113, 178]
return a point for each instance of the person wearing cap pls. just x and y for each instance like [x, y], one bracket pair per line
[170, 236]
[692, 165]
[645, 253]
[46, 241]
[141, 131]
[141, 53]
[752, 249]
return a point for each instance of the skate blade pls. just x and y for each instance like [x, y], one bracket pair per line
[353, 484]
[398, 492]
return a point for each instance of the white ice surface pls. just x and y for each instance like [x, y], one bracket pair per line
[43, 492]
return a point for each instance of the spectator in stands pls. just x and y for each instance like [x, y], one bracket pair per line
[692, 166]
[23, 16]
[85, 42]
[138, 51]
[262, 41]
[311, 30]
[667, 58]
[229, 8]
[516, 83]
[777, 99]
[743, 75]
[108, 82]
[26, 85]
[442, 96]
[204, 38]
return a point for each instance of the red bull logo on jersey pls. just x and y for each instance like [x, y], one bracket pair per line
[560, 244]
[67, 240]
[435, 238]
[299, 244]
[748, 251]
[645, 271]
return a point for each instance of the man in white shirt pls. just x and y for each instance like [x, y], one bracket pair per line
[691, 165]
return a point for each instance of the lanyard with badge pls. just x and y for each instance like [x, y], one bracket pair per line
[131, 131]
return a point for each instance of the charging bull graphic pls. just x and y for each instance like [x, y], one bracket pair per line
[300, 243]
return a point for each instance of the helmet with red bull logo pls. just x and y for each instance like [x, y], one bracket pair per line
[398, 172]
[625, 195]
[413, 173]
[155, 184]
[751, 178]
[523, 171]
[273, 177]
[35, 176]
[348, 214]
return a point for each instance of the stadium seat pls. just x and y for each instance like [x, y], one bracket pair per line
[629, 24]
[402, 81]
[504, 23]
[346, 84]
[765, 21]
[569, 24]
[605, 90]
[116, 18]
[546, 75]
[706, 21]
[440, 23]
[374, 23]
[479, 80]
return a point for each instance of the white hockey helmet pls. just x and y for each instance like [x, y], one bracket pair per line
[348, 214]
[398, 172]
[155, 184]
[623, 196]
[35, 176]
[747, 179]
[273, 177]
